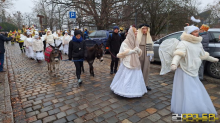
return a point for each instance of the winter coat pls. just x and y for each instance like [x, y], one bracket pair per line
[76, 50]
[114, 43]
[2, 40]
[205, 41]
[38, 45]
[189, 54]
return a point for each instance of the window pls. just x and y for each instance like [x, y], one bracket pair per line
[176, 35]
[100, 34]
[216, 36]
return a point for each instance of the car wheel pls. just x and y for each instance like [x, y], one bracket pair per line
[213, 69]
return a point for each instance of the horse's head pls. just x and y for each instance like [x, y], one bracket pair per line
[99, 52]
[55, 54]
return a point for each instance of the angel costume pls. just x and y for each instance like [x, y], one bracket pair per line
[58, 41]
[128, 81]
[38, 47]
[29, 45]
[66, 40]
[189, 94]
[49, 37]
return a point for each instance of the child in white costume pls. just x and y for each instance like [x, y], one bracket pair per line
[38, 47]
[59, 39]
[49, 37]
[66, 40]
[189, 94]
[29, 43]
[128, 81]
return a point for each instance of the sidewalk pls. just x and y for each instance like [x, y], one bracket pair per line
[6, 114]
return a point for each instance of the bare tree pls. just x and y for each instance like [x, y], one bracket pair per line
[103, 12]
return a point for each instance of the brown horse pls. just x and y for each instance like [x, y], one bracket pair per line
[93, 52]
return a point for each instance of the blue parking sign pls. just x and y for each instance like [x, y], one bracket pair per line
[72, 14]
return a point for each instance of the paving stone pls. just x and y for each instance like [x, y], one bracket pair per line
[63, 108]
[46, 108]
[71, 117]
[71, 111]
[60, 115]
[38, 121]
[115, 105]
[138, 108]
[145, 120]
[47, 104]
[112, 120]
[151, 110]
[49, 119]
[63, 120]
[119, 110]
[79, 120]
[42, 115]
[109, 114]
[54, 111]
[98, 112]
[92, 109]
[81, 107]
[59, 104]
[81, 113]
[164, 112]
[90, 116]
[99, 119]
[160, 106]
[126, 121]
[28, 110]
[130, 112]
[36, 107]
[32, 119]
[154, 117]
[30, 114]
[122, 116]
[106, 109]
[142, 114]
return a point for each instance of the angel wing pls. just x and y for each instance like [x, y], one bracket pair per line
[22, 37]
[166, 51]
[195, 20]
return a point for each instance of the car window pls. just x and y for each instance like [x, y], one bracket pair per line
[92, 34]
[100, 34]
[216, 36]
[176, 35]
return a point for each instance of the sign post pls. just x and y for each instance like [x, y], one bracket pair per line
[72, 15]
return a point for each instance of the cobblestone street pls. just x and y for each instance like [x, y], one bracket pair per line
[38, 96]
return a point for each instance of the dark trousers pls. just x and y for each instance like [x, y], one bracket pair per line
[78, 65]
[201, 70]
[21, 47]
[114, 62]
[44, 45]
[1, 61]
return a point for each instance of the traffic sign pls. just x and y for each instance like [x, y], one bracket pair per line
[72, 15]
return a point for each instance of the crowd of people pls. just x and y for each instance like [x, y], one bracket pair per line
[134, 49]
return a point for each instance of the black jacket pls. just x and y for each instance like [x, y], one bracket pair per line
[76, 50]
[2, 40]
[205, 41]
[114, 42]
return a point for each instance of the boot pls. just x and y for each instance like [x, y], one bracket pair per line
[115, 71]
[79, 81]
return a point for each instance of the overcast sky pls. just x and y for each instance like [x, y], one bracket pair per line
[27, 5]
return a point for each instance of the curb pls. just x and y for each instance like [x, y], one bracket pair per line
[18, 112]
[8, 106]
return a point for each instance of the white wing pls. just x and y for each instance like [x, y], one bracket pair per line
[166, 51]
[195, 20]
[22, 37]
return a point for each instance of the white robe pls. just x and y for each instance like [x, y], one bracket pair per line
[189, 95]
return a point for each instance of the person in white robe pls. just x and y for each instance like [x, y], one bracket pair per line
[49, 37]
[59, 40]
[38, 48]
[66, 40]
[29, 47]
[129, 81]
[189, 94]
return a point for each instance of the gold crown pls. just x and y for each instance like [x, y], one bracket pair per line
[204, 27]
